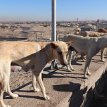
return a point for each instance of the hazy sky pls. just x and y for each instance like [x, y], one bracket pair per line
[40, 10]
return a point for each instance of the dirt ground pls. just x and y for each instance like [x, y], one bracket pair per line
[32, 31]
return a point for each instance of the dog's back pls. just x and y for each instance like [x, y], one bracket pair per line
[17, 50]
[81, 44]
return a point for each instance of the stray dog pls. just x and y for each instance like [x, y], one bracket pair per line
[88, 46]
[12, 51]
[38, 60]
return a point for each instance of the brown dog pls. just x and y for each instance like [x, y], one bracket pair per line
[12, 51]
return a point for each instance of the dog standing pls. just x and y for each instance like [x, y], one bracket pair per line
[12, 51]
[38, 60]
[88, 46]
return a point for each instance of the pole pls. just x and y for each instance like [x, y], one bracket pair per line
[53, 38]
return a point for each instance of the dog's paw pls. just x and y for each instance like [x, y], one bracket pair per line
[36, 89]
[88, 73]
[6, 106]
[70, 69]
[15, 95]
[103, 60]
[46, 97]
[85, 76]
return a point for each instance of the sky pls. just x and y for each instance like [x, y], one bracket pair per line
[40, 10]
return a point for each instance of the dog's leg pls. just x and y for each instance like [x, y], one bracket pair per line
[2, 90]
[10, 93]
[34, 82]
[1, 99]
[7, 86]
[69, 58]
[39, 78]
[102, 55]
[86, 68]
[2, 104]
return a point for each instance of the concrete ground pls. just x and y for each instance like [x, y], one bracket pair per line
[59, 84]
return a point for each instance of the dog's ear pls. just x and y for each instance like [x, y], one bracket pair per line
[53, 45]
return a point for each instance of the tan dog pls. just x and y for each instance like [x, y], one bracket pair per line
[38, 60]
[88, 46]
[12, 51]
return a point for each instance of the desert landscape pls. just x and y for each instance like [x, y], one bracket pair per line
[41, 31]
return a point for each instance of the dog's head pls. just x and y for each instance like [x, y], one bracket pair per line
[60, 50]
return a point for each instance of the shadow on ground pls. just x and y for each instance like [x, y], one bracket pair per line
[66, 87]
